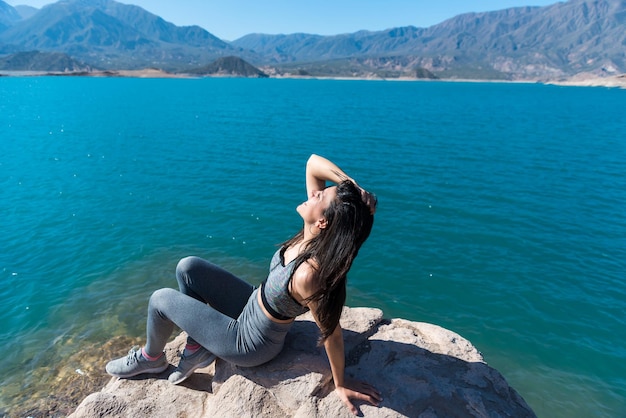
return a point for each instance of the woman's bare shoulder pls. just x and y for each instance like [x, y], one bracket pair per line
[304, 281]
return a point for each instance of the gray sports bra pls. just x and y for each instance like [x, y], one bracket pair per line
[275, 290]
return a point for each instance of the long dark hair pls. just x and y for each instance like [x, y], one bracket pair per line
[349, 222]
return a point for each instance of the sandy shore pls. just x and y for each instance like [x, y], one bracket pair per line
[581, 80]
[145, 73]
[584, 80]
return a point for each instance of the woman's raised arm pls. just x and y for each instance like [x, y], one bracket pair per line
[319, 170]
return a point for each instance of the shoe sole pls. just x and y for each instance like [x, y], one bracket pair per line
[155, 370]
[193, 369]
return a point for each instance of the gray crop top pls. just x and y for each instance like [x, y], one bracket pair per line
[275, 290]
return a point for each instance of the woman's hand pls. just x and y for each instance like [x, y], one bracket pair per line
[355, 389]
[369, 199]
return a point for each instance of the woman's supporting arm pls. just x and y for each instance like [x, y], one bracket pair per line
[347, 389]
[303, 287]
[336, 355]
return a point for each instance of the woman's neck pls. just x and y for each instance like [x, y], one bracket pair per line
[309, 232]
[294, 250]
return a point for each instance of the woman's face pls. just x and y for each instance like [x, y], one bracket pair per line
[313, 209]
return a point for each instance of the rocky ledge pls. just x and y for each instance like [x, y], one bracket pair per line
[422, 370]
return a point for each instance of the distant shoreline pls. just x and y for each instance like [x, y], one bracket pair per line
[581, 80]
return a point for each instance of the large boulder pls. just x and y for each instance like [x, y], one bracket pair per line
[422, 370]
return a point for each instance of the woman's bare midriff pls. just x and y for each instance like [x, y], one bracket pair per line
[279, 321]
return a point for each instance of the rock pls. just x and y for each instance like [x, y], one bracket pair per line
[422, 370]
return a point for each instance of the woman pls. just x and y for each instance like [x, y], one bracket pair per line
[228, 318]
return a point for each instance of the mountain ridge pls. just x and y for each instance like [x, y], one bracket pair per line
[558, 40]
[521, 43]
[108, 34]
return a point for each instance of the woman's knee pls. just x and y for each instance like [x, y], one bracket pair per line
[161, 298]
[188, 264]
[188, 268]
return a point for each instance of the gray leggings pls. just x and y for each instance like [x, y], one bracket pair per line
[218, 311]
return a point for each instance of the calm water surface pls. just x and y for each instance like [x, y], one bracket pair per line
[501, 212]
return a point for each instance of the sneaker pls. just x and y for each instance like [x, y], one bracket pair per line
[134, 363]
[190, 362]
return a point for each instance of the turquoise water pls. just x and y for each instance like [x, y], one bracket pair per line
[501, 212]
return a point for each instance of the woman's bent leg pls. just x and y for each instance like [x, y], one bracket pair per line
[251, 339]
[215, 327]
[211, 284]
[200, 321]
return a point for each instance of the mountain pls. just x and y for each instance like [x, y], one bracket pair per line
[229, 66]
[8, 16]
[525, 42]
[41, 61]
[541, 43]
[26, 11]
[362, 67]
[108, 34]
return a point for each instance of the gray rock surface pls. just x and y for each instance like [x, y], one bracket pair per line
[422, 370]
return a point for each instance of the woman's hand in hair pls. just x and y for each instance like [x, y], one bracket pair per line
[358, 390]
[370, 199]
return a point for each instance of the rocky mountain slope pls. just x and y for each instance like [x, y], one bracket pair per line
[229, 66]
[41, 61]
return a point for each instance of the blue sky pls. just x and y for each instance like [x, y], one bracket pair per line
[231, 19]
